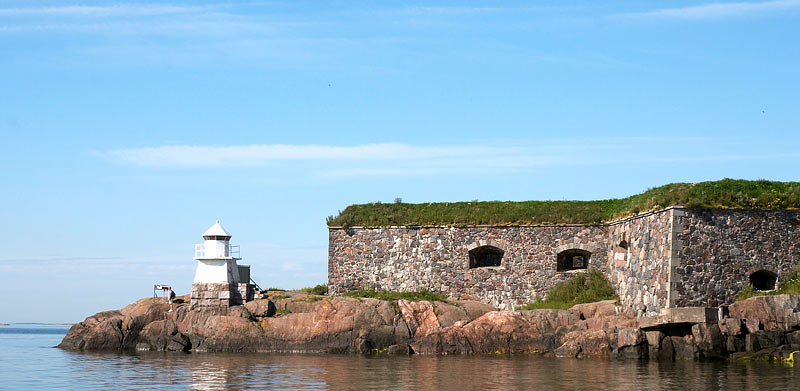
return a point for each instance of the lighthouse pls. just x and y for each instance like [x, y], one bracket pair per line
[216, 281]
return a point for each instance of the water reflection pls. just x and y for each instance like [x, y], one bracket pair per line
[28, 361]
[340, 372]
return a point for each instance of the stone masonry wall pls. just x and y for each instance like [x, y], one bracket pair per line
[675, 257]
[719, 249]
[221, 294]
[639, 260]
[411, 258]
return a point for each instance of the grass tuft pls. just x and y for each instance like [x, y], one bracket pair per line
[422, 294]
[583, 288]
[726, 193]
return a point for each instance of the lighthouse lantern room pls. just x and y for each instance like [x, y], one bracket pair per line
[216, 281]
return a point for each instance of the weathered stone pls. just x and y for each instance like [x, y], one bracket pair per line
[400, 349]
[676, 257]
[419, 316]
[779, 312]
[654, 338]
[597, 309]
[793, 339]
[591, 343]
[684, 347]
[752, 325]
[709, 341]
[370, 326]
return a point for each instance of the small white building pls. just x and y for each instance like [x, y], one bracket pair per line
[216, 258]
[216, 281]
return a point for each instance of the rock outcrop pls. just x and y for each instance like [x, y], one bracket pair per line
[767, 326]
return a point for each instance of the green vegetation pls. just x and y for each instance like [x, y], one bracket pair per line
[279, 297]
[789, 285]
[319, 289]
[422, 294]
[276, 289]
[280, 311]
[583, 288]
[311, 299]
[726, 193]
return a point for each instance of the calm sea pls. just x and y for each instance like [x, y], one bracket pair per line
[29, 361]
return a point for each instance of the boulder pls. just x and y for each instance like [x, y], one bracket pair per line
[596, 310]
[420, 317]
[779, 312]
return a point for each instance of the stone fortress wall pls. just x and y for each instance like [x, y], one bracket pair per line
[667, 258]
[719, 250]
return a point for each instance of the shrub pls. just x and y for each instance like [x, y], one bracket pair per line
[319, 289]
[585, 287]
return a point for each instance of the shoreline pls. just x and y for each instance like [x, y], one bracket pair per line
[764, 327]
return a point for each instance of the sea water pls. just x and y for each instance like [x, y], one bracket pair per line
[28, 360]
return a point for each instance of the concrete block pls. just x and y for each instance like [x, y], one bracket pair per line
[225, 295]
[693, 315]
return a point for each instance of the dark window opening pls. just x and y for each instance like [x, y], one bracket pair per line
[572, 260]
[485, 256]
[213, 237]
[763, 280]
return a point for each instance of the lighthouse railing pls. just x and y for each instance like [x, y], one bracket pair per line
[217, 250]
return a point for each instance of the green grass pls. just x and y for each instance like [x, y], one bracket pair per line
[419, 295]
[583, 288]
[726, 193]
[789, 285]
[275, 290]
[319, 289]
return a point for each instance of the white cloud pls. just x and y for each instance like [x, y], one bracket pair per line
[400, 159]
[291, 267]
[252, 155]
[715, 10]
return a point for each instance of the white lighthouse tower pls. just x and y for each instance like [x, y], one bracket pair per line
[216, 281]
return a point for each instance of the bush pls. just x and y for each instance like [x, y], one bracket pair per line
[319, 289]
[583, 288]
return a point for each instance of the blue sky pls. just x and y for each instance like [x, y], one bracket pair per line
[126, 129]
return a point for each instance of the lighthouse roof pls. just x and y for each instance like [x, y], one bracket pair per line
[216, 230]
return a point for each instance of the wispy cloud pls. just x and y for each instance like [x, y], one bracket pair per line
[138, 19]
[715, 10]
[291, 267]
[126, 10]
[401, 159]
[252, 155]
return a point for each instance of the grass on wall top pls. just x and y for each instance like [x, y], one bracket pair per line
[726, 193]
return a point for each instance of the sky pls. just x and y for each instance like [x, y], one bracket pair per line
[127, 129]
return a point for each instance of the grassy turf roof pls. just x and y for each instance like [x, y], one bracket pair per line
[726, 193]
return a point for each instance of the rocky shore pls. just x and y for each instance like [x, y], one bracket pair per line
[761, 327]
